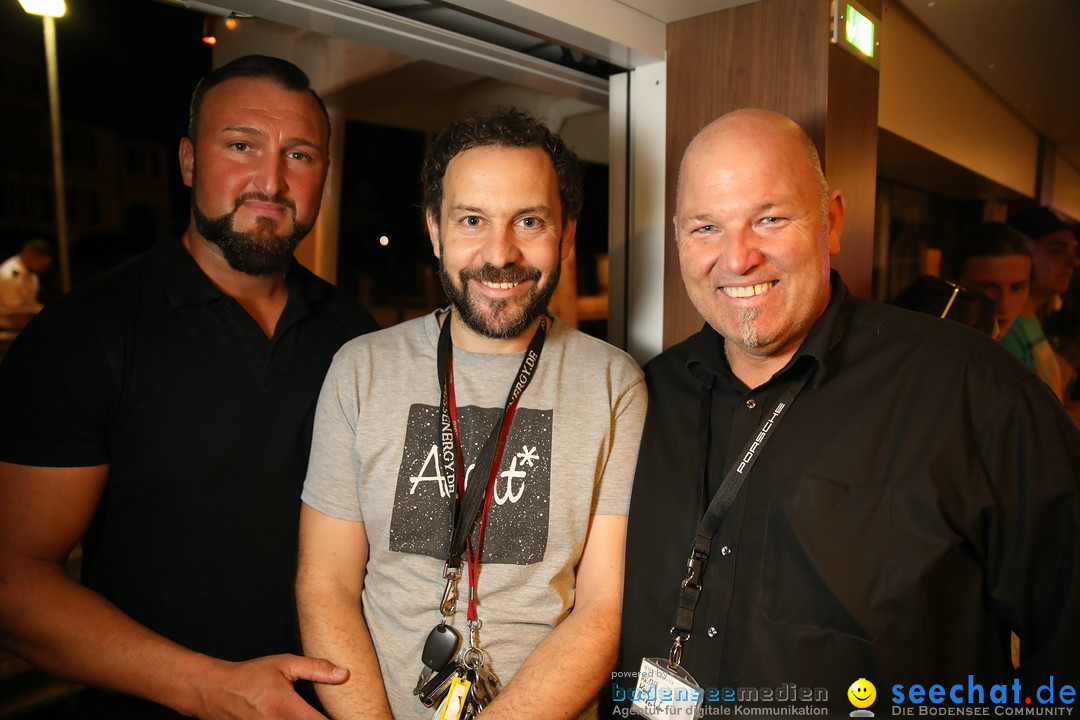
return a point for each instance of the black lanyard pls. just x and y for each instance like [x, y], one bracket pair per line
[714, 515]
[470, 499]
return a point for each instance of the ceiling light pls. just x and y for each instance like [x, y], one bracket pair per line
[51, 8]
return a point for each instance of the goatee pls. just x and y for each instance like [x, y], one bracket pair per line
[258, 252]
[748, 327]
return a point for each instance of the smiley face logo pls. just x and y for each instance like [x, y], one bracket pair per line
[862, 693]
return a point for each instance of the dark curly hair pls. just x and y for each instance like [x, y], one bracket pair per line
[507, 127]
[259, 67]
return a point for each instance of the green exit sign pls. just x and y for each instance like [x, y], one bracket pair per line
[855, 30]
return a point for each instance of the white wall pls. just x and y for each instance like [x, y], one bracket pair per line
[927, 97]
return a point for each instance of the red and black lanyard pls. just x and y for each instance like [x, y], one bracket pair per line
[473, 500]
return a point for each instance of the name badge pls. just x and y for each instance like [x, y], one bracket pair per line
[666, 691]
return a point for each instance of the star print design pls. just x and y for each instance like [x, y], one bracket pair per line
[517, 524]
[528, 455]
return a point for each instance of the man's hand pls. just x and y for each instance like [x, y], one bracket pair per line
[262, 689]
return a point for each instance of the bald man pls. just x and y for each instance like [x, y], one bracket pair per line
[832, 490]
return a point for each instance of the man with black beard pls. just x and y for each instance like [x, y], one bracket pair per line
[161, 414]
[491, 461]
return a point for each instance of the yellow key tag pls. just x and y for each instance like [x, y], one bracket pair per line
[454, 703]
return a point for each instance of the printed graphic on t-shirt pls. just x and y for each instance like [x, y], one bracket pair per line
[517, 523]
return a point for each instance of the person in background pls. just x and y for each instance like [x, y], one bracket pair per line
[161, 414]
[1053, 248]
[390, 531]
[994, 258]
[933, 296]
[19, 283]
[911, 492]
[1062, 328]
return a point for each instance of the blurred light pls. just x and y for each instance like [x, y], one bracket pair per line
[51, 8]
[855, 29]
[208, 30]
[860, 31]
[231, 23]
[384, 241]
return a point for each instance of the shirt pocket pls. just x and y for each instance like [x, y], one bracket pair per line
[825, 556]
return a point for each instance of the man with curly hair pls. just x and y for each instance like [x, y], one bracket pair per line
[387, 530]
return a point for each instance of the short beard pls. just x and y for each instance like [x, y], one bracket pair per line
[470, 309]
[258, 253]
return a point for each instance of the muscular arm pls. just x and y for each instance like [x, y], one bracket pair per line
[329, 585]
[68, 630]
[567, 669]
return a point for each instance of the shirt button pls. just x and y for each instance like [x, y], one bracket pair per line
[751, 404]
[725, 551]
[711, 632]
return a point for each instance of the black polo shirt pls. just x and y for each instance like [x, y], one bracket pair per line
[206, 425]
[917, 501]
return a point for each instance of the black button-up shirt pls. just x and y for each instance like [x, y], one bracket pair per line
[206, 425]
[917, 502]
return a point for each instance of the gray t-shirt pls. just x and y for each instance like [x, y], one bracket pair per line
[570, 453]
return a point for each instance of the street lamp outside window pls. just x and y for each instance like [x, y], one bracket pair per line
[49, 9]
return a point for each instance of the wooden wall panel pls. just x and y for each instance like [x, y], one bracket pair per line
[772, 54]
[849, 157]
